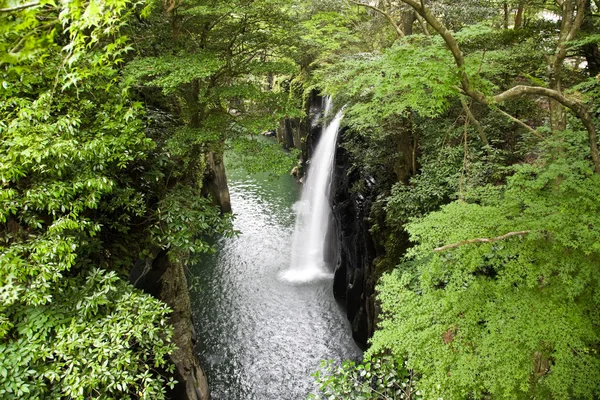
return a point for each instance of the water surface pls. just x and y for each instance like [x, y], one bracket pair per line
[260, 337]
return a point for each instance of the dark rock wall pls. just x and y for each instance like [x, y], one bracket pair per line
[355, 252]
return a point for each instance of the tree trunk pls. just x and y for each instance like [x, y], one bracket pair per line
[166, 280]
[175, 293]
[407, 18]
[558, 115]
[215, 182]
[406, 164]
[519, 16]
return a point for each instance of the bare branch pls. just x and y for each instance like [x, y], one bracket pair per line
[19, 8]
[475, 122]
[390, 19]
[518, 121]
[480, 240]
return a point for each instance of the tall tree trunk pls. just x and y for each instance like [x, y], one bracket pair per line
[174, 292]
[505, 6]
[166, 280]
[519, 16]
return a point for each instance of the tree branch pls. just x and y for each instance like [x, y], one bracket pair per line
[518, 121]
[475, 122]
[577, 107]
[423, 24]
[19, 8]
[480, 240]
[390, 19]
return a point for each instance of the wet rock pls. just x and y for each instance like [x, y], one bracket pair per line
[302, 133]
[354, 278]
[295, 171]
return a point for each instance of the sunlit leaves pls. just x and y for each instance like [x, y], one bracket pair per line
[172, 72]
[415, 74]
[378, 377]
[509, 318]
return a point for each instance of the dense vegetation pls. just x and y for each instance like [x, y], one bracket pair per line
[476, 120]
[488, 201]
[101, 171]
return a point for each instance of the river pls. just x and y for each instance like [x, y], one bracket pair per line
[260, 338]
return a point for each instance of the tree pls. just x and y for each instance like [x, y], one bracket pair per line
[220, 75]
[70, 324]
[486, 210]
[573, 13]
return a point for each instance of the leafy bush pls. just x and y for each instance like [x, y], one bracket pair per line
[515, 316]
[377, 377]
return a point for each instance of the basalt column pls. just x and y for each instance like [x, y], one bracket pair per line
[354, 279]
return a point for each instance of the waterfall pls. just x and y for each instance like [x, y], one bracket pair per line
[313, 211]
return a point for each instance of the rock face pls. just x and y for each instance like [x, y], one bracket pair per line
[166, 281]
[354, 249]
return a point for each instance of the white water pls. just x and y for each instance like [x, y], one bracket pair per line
[313, 211]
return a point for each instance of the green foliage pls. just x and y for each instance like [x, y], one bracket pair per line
[327, 33]
[220, 75]
[509, 319]
[434, 186]
[73, 143]
[97, 338]
[186, 223]
[379, 86]
[256, 155]
[377, 377]
[170, 72]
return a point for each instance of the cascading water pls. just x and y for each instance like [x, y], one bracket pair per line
[313, 211]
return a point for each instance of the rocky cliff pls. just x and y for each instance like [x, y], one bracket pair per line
[302, 133]
[355, 252]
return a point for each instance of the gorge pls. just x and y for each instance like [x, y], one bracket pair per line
[261, 332]
[154, 243]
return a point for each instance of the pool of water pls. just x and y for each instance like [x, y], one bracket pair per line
[259, 336]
